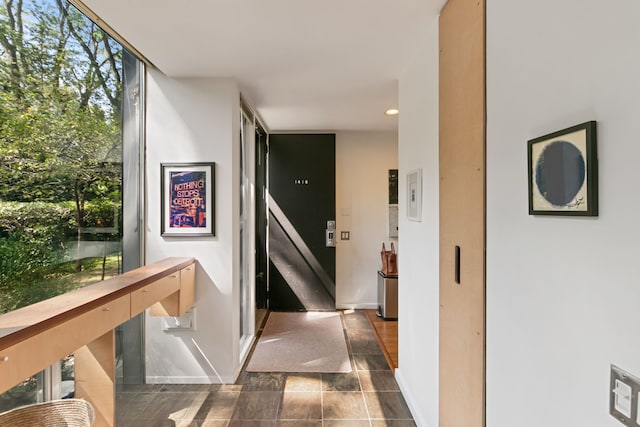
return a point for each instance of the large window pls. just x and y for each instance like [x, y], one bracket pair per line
[69, 108]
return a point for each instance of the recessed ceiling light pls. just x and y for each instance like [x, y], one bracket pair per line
[392, 112]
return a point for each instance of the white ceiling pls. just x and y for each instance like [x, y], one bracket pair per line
[304, 65]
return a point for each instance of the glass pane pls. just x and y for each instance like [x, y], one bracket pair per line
[243, 207]
[245, 200]
[67, 386]
[29, 391]
[247, 130]
[69, 107]
[61, 152]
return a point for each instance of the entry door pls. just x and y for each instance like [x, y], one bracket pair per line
[462, 214]
[302, 200]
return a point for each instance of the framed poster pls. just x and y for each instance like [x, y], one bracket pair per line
[563, 172]
[414, 195]
[187, 199]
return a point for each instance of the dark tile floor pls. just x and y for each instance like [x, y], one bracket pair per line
[366, 397]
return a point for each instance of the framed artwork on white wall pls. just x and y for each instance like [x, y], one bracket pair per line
[563, 172]
[187, 199]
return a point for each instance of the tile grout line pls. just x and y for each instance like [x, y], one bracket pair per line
[355, 368]
[321, 400]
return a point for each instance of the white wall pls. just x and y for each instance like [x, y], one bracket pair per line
[562, 293]
[363, 160]
[418, 283]
[196, 120]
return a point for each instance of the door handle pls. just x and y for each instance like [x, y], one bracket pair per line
[457, 266]
[330, 234]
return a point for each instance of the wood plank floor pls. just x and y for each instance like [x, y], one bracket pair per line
[386, 332]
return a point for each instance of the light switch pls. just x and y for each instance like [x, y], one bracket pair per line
[622, 402]
[345, 235]
[624, 395]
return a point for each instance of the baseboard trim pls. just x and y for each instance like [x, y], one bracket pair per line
[357, 306]
[412, 402]
[189, 380]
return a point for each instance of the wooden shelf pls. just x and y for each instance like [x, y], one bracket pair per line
[83, 321]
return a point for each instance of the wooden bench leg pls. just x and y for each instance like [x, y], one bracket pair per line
[95, 377]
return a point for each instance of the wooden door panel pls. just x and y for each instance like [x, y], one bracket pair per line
[462, 213]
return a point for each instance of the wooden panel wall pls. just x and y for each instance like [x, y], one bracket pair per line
[462, 213]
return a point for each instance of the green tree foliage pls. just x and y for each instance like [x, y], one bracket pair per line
[34, 241]
[60, 134]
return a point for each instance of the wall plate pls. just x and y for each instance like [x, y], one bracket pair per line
[186, 322]
[393, 221]
[624, 392]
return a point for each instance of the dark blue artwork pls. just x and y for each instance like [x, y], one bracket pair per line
[560, 172]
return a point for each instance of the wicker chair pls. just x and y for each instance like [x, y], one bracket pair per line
[56, 413]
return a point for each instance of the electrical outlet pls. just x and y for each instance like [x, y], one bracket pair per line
[186, 322]
[624, 397]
